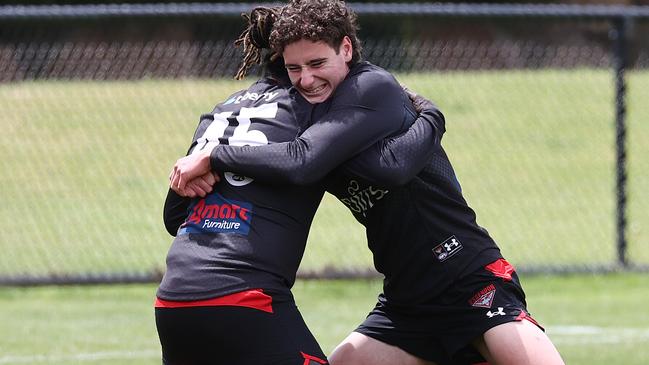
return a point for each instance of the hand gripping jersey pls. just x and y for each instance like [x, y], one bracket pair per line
[423, 234]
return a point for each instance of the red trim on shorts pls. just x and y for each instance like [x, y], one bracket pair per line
[526, 316]
[501, 268]
[480, 363]
[253, 298]
[309, 358]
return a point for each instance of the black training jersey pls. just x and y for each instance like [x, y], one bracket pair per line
[245, 234]
[351, 121]
[422, 233]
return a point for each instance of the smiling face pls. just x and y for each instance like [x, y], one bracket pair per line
[315, 68]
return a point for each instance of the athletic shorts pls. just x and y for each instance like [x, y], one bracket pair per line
[243, 332]
[441, 329]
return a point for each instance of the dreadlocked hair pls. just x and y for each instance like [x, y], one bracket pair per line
[255, 37]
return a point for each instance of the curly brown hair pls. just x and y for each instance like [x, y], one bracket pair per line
[316, 20]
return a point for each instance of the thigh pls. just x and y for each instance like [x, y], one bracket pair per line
[236, 335]
[496, 320]
[408, 335]
[359, 349]
[521, 342]
[442, 328]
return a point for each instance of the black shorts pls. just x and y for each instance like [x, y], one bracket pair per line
[213, 335]
[441, 329]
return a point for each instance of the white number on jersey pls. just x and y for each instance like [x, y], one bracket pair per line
[241, 136]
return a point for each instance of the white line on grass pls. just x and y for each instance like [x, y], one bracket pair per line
[84, 357]
[585, 335]
[560, 335]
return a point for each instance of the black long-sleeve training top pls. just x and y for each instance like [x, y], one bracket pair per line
[423, 234]
[251, 232]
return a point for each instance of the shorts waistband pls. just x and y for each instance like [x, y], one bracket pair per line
[253, 298]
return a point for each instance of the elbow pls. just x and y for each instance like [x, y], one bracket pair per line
[439, 122]
[171, 231]
[303, 169]
[171, 226]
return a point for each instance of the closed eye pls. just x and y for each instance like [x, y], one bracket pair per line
[317, 63]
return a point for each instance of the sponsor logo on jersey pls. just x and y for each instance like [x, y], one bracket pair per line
[267, 96]
[446, 249]
[362, 200]
[484, 297]
[215, 214]
[499, 312]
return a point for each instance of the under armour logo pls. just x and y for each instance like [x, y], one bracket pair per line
[500, 312]
[453, 243]
[448, 248]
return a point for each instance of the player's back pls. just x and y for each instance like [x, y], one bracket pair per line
[244, 234]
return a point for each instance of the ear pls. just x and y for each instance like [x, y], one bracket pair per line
[347, 48]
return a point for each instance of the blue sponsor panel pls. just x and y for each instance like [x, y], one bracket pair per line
[215, 214]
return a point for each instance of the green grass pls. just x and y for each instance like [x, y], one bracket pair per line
[593, 320]
[86, 167]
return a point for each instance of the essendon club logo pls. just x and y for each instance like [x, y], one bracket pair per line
[484, 298]
[215, 214]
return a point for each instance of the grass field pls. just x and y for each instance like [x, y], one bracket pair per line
[534, 151]
[85, 167]
[593, 320]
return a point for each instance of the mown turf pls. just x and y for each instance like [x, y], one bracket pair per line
[593, 320]
[86, 167]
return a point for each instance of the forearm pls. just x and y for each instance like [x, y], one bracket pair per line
[175, 211]
[322, 147]
[367, 107]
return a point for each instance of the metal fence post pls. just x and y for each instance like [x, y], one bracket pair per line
[618, 36]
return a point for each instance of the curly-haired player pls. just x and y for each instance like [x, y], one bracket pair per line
[225, 297]
[449, 297]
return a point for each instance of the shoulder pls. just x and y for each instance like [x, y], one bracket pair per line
[370, 84]
[262, 91]
[372, 75]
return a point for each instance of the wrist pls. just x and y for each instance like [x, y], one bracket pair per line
[207, 158]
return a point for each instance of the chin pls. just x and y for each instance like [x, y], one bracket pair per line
[316, 99]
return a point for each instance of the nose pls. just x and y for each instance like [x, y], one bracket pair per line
[306, 78]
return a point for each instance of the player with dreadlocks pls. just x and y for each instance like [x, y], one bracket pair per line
[254, 40]
[449, 296]
[225, 297]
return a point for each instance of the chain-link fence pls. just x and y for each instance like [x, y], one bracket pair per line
[546, 116]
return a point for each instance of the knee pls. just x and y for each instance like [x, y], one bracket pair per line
[343, 355]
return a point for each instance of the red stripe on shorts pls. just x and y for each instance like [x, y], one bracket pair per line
[253, 298]
[309, 358]
[526, 316]
[501, 268]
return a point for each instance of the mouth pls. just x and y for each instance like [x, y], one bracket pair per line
[315, 92]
